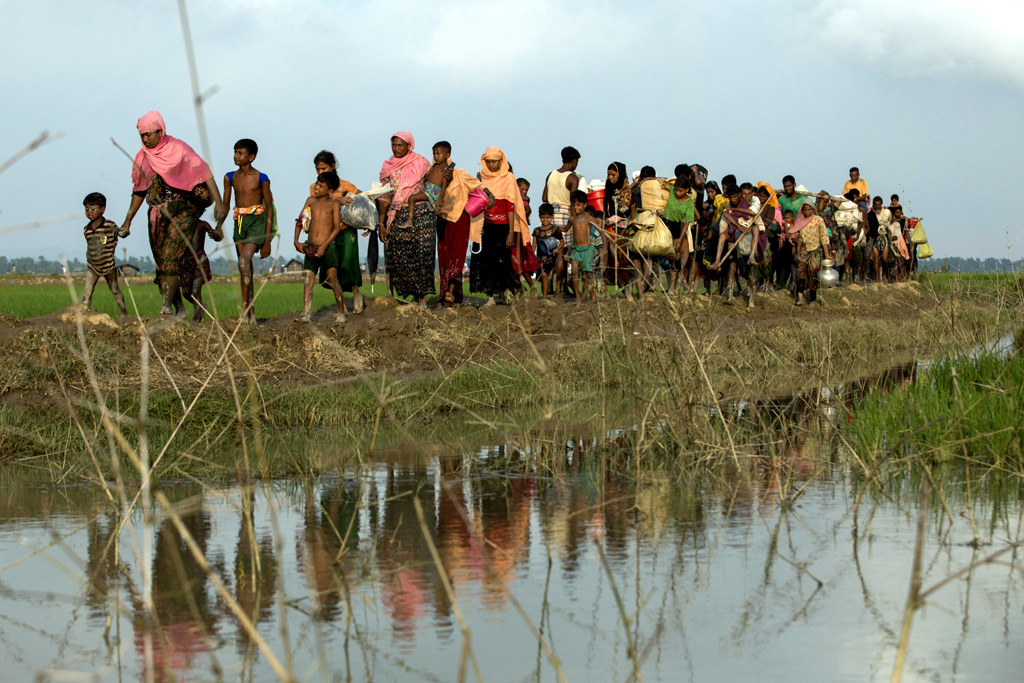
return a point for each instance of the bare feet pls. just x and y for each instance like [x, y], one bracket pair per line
[340, 318]
[305, 317]
[357, 302]
[489, 302]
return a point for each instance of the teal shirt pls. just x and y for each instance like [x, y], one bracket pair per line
[788, 204]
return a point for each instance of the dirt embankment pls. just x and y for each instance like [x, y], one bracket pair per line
[42, 355]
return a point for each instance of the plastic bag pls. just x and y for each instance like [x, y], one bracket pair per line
[925, 251]
[652, 238]
[361, 214]
[918, 236]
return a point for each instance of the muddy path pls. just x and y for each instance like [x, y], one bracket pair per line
[402, 340]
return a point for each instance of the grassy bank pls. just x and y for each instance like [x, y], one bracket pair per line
[676, 364]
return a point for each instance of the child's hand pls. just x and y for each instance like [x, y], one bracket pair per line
[320, 250]
[265, 249]
[346, 200]
[298, 247]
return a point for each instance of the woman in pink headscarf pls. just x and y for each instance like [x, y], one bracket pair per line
[178, 186]
[408, 249]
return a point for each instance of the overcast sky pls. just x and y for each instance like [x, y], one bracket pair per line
[925, 96]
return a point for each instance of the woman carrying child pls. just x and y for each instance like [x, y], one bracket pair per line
[618, 207]
[490, 270]
[811, 240]
[408, 249]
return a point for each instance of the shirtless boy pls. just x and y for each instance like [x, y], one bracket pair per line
[435, 182]
[100, 244]
[253, 217]
[319, 248]
[582, 251]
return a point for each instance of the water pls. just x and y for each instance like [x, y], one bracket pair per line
[719, 581]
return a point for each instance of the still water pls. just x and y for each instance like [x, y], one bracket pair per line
[717, 579]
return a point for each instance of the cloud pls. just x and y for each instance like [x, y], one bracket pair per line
[919, 37]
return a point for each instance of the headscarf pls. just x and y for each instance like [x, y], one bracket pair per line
[171, 159]
[502, 185]
[456, 195]
[612, 189]
[773, 198]
[404, 173]
[800, 221]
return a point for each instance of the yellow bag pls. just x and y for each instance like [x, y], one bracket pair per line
[925, 251]
[654, 194]
[918, 236]
[652, 238]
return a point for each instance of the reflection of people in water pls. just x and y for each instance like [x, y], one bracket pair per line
[329, 531]
[100, 566]
[405, 562]
[255, 569]
[183, 601]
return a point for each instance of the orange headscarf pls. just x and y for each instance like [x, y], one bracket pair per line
[773, 198]
[502, 185]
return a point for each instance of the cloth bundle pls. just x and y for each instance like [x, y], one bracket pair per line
[652, 238]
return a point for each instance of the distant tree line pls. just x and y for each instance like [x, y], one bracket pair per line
[44, 266]
[956, 264]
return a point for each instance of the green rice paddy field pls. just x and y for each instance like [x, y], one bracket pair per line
[143, 298]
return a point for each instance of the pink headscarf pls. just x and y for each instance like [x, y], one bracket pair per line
[404, 173]
[171, 159]
[800, 221]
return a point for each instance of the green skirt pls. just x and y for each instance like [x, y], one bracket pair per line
[347, 242]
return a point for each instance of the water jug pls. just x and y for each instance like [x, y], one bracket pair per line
[827, 276]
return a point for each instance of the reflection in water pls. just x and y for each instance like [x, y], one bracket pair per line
[724, 570]
[183, 600]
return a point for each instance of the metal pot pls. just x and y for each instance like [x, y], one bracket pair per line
[828, 276]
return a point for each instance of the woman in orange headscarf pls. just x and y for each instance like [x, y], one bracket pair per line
[490, 270]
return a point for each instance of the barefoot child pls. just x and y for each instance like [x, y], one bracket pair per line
[100, 243]
[582, 253]
[196, 272]
[320, 249]
[548, 238]
[349, 275]
[435, 182]
[255, 224]
[524, 260]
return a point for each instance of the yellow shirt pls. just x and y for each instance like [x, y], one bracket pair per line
[861, 186]
[721, 201]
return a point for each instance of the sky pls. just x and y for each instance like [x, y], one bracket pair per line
[924, 96]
